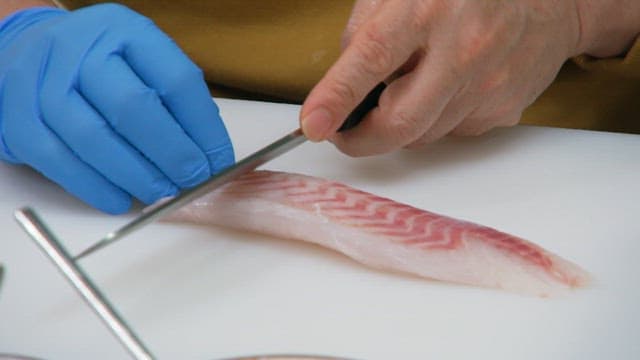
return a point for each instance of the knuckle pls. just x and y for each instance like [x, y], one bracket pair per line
[138, 100]
[192, 173]
[481, 38]
[49, 103]
[141, 95]
[351, 151]
[403, 127]
[494, 82]
[344, 92]
[376, 52]
[425, 139]
[467, 130]
[181, 79]
[511, 119]
[475, 46]
[477, 126]
[158, 189]
[418, 144]
[502, 111]
[355, 147]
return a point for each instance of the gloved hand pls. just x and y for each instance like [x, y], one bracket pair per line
[102, 102]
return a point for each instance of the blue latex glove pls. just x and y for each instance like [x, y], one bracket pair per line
[102, 102]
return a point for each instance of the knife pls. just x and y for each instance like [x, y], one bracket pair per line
[231, 173]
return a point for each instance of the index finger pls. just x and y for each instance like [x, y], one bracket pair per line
[377, 50]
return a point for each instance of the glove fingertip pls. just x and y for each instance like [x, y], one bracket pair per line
[116, 207]
[161, 191]
[108, 199]
[221, 158]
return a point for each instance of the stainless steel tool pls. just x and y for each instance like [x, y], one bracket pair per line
[69, 267]
[50, 245]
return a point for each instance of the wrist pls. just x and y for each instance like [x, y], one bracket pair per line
[608, 28]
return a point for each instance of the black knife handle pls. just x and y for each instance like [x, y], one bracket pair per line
[369, 102]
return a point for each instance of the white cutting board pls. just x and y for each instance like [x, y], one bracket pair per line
[203, 293]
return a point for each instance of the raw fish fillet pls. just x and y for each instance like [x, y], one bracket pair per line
[383, 233]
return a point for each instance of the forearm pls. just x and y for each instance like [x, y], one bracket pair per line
[8, 7]
[608, 27]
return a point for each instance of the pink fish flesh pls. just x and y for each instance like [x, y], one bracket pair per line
[382, 233]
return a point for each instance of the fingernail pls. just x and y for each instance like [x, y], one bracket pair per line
[170, 191]
[316, 125]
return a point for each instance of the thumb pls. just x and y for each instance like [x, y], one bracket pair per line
[362, 10]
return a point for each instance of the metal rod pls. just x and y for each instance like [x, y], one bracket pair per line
[46, 240]
[242, 167]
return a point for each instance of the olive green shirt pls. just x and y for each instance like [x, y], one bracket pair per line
[279, 49]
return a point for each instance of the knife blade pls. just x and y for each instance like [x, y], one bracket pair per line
[250, 163]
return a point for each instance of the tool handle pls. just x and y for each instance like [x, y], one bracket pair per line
[369, 102]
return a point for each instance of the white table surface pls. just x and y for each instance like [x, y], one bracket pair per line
[208, 293]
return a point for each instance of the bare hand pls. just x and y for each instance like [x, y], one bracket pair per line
[455, 66]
